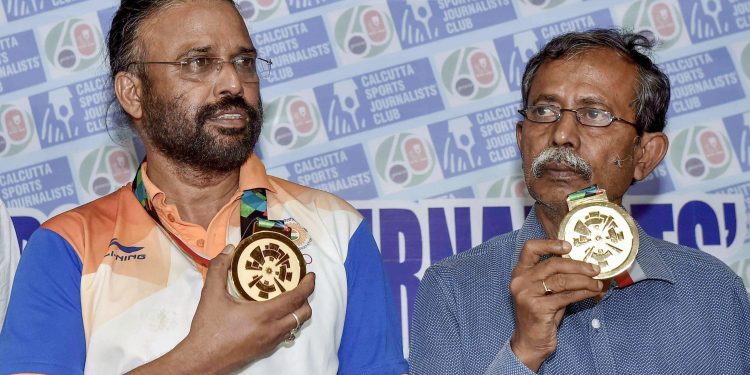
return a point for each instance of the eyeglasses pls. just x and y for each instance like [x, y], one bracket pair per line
[206, 69]
[595, 117]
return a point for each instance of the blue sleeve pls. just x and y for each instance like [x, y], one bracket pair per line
[371, 342]
[435, 340]
[43, 331]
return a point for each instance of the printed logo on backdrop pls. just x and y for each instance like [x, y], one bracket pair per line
[512, 186]
[364, 32]
[104, 170]
[73, 111]
[530, 7]
[20, 64]
[516, 50]
[405, 160]
[44, 186]
[291, 122]
[470, 74]
[17, 132]
[297, 49]
[3, 20]
[17, 9]
[738, 129]
[378, 98]
[702, 80]
[659, 20]
[476, 141]
[702, 153]
[710, 19]
[419, 21]
[73, 45]
[744, 189]
[261, 10]
[296, 6]
[344, 172]
[658, 182]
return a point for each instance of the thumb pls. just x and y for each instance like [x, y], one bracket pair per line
[216, 276]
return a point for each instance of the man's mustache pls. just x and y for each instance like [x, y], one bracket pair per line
[225, 104]
[562, 155]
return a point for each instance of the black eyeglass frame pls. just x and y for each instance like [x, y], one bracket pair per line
[558, 115]
[216, 61]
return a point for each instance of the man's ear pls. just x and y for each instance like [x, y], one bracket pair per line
[649, 153]
[519, 130]
[129, 90]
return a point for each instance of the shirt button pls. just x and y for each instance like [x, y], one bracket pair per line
[596, 323]
[201, 243]
[170, 217]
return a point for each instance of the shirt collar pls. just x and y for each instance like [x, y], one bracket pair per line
[649, 259]
[252, 175]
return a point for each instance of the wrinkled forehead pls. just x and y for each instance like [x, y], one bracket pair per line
[209, 26]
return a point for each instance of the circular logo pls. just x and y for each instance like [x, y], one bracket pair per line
[105, 169]
[471, 73]
[264, 266]
[292, 122]
[657, 20]
[601, 233]
[745, 60]
[405, 159]
[700, 152]
[258, 10]
[16, 129]
[73, 44]
[364, 31]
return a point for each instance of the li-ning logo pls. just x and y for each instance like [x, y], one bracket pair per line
[128, 250]
[73, 45]
[364, 31]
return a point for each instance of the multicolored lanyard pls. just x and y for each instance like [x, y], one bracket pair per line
[253, 208]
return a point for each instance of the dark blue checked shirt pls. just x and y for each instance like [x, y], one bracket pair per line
[690, 315]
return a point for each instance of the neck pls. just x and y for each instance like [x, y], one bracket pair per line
[197, 194]
[550, 216]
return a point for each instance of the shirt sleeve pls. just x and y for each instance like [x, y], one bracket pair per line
[435, 339]
[9, 254]
[43, 331]
[371, 342]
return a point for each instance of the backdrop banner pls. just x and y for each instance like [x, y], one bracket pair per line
[405, 107]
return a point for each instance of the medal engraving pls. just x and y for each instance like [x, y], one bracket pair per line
[264, 266]
[601, 233]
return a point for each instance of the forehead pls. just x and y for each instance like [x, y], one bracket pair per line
[598, 75]
[212, 25]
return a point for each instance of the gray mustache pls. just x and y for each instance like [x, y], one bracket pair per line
[562, 155]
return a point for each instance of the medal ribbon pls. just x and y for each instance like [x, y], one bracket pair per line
[253, 208]
[632, 274]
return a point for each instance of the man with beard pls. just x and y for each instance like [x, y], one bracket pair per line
[594, 107]
[137, 281]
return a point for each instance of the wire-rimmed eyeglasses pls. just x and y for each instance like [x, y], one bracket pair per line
[206, 69]
[546, 114]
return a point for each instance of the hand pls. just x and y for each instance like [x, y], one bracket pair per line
[226, 334]
[539, 312]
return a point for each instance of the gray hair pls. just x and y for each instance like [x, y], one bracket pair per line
[652, 92]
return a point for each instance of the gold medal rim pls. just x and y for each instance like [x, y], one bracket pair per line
[631, 225]
[245, 243]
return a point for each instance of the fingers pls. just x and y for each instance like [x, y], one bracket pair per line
[571, 282]
[533, 250]
[557, 265]
[216, 276]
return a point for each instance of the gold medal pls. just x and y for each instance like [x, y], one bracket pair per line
[600, 231]
[264, 266]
